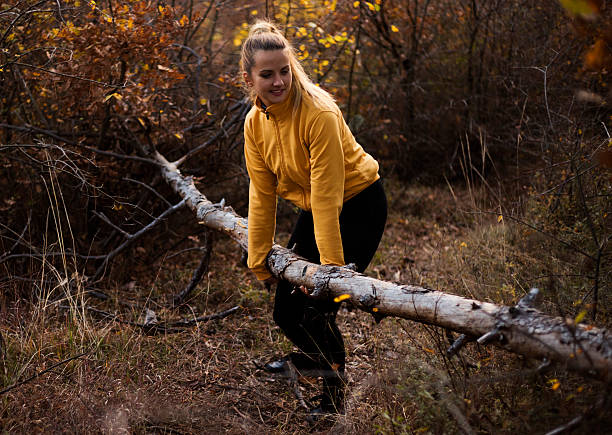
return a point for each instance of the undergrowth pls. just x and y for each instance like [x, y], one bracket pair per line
[484, 242]
[206, 379]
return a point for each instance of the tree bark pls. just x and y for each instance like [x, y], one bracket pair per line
[520, 329]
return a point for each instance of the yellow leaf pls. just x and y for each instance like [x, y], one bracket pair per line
[500, 218]
[463, 245]
[375, 309]
[355, 4]
[585, 8]
[302, 47]
[580, 317]
[209, 114]
[426, 349]
[342, 298]
[254, 12]
[141, 121]
[117, 206]
[203, 101]
[394, 28]
[113, 95]
[178, 136]
[555, 386]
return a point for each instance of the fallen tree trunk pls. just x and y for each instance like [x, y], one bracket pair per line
[521, 329]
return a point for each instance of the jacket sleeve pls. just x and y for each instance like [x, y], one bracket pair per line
[262, 208]
[327, 185]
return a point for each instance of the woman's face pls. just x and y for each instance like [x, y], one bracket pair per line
[270, 76]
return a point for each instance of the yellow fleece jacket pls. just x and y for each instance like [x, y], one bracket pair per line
[309, 158]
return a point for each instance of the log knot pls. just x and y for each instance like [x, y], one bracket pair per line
[321, 285]
[411, 289]
[279, 261]
[369, 302]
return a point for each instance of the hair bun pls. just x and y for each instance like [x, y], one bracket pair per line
[262, 26]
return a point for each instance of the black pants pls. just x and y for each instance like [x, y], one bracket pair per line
[311, 324]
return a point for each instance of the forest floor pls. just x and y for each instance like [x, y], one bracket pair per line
[207, 379]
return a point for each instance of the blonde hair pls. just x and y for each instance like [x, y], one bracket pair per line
[264, 35]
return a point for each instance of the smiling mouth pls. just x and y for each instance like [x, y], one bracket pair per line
[277, 92]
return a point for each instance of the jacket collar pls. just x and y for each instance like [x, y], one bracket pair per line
[278, 109]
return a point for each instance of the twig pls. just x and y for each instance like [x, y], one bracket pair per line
[17, 384]
[155, 328]
[237, 117]
[199, 272]
[31, 129]
[568, 426]
[10, 251]
[131, 238]
[53, 254]
[150, 189]
[10, 26]
[115, 227]
[190, 322]
[575, 422]
[457, 345]
[27, 65]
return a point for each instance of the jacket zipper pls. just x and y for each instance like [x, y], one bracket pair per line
[283, 165]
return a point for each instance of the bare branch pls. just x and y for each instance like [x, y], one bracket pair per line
[131, 238]
[199, 272]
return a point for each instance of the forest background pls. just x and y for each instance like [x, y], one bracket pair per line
[490, 120]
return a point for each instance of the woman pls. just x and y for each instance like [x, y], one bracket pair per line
[298, 146]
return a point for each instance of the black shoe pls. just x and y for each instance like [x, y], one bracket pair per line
[278, 366]
[301, 361]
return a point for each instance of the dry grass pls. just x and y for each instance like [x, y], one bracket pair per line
[206, 380]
